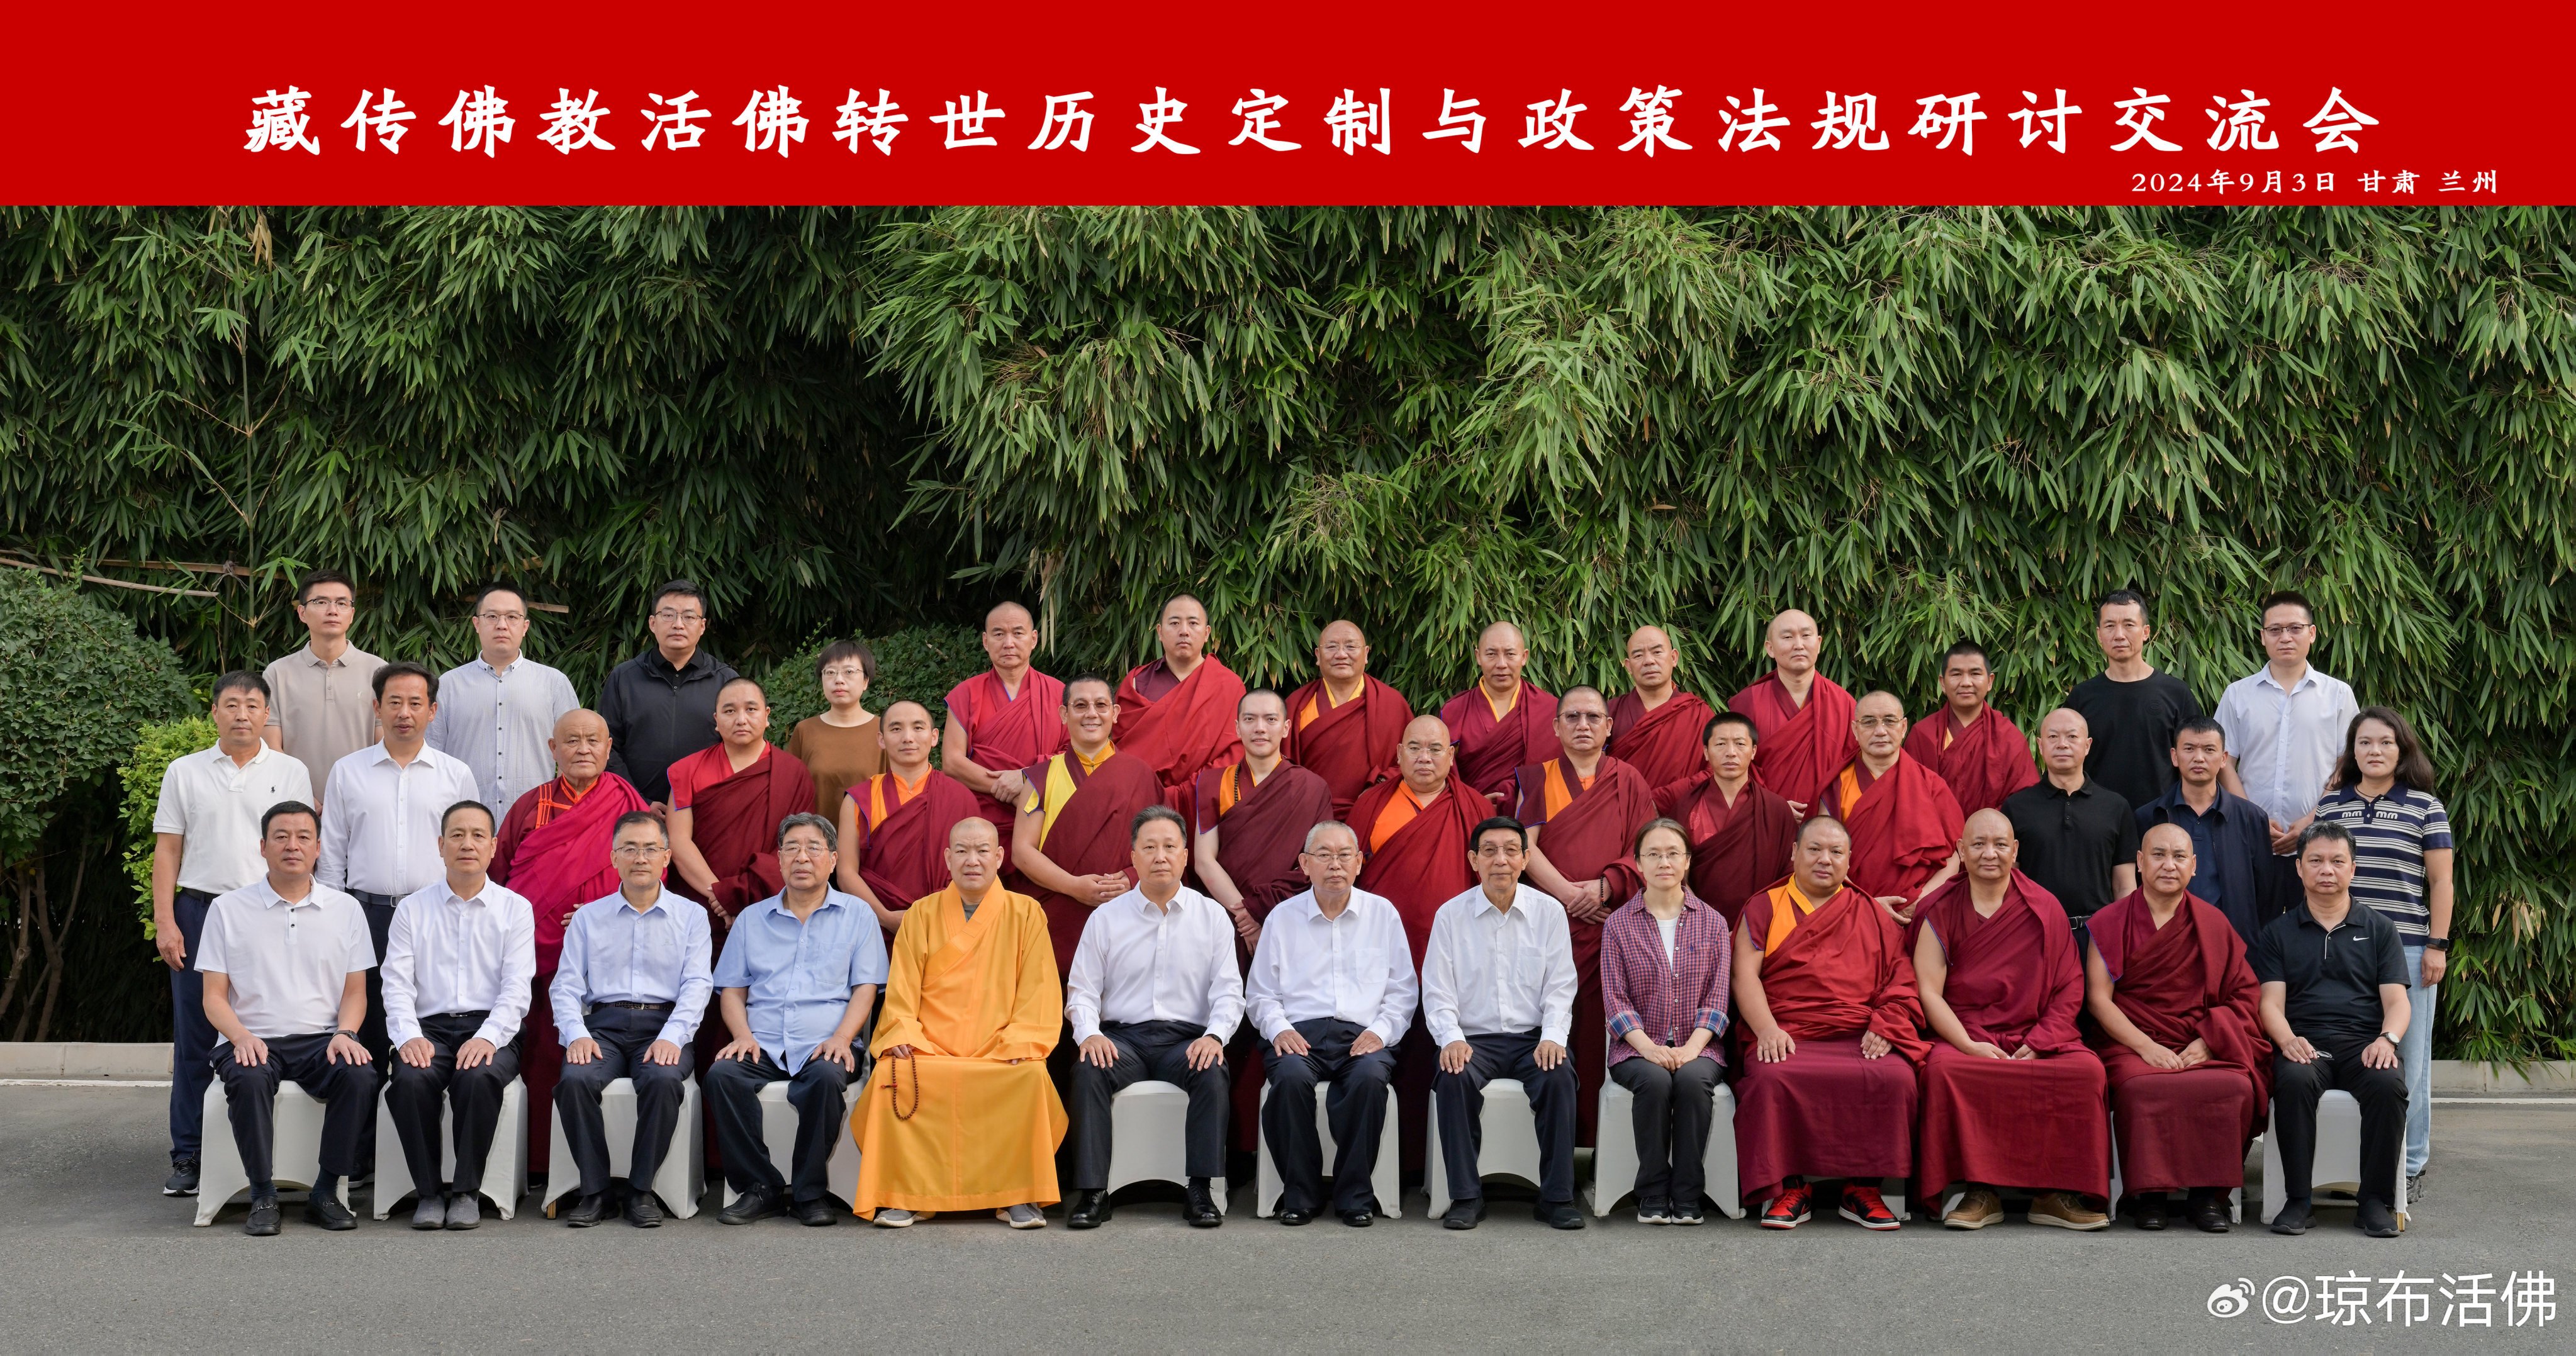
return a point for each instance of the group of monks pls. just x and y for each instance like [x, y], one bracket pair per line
[1908, 1004]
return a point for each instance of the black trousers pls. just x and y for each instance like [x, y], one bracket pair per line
[1460, 1098]
[192, 1037]
[1158, 1050]
[1354, 1105]
[2381, 1092]
[1671, 1116]
[623, 1035]
[347, 1093]
[415, 1096]
[820, 1093]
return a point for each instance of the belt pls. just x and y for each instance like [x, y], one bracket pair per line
[634, 1007]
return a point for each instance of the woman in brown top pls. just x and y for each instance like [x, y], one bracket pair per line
[841, 745]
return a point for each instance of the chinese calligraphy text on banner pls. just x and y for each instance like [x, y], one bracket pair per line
[1503, 103]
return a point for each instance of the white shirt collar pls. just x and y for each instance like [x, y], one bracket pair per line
[1485, 903]
[2307, 678]
[479, 897]
[272, 899]
[661, 901]
[1182, 902]
[224, 761]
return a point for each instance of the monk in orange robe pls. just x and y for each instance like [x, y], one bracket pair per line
[894, 825]
[1983, 756]
[1803, 717]
[1739, 832]
[1414, 832]
[1177, 713]
[1070, 840]
[1903, 822]
[2011, 1097]
[1005, 719]
[1503, 723]
[1344, 726]
[1583, 810]
[1655, 726]
[1829, 1042]
[959, 1113]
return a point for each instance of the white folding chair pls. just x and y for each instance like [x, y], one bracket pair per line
[2235, 1195]
[1149, 1125]
[1614, 1155]
[1510, 1146]
[295, 1149]
[778, 1133]
[505, 1165]
[2338, 1158]
[681, 1179]
[1387, 1178]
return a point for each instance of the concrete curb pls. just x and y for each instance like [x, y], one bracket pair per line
[2459, 1076]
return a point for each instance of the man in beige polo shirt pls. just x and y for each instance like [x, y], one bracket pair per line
[322, 700]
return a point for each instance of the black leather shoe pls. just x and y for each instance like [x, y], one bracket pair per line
[1201, 1210]
[587, 1211]
[643, 1210]
[818, 1213]
[2295, 1217]
[2147, 1212]
[1359, 1219]
[1558, 1214]
[325, 1212]
[182, 1180]
[1090, 1210]
[1293, 1218]
[2209, 1214]
[1466, 1214]
[263, 1219]
[2375, 1219]
[755, 1204]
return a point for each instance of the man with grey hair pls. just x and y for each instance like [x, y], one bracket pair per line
[796, 985]
[1331, 989]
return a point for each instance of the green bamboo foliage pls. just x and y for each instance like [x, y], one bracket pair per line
[1916, 424]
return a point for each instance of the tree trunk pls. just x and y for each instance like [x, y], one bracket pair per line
[32, 906]
[54, 935]
[22, 934]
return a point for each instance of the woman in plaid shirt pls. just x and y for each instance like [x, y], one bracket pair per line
[1664, 966]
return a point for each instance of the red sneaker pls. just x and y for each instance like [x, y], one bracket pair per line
[1790, 1208]
[1862, 1205]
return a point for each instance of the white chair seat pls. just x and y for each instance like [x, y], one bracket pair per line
[295, 1149]
[1149, 1122]
[2235, 1195]
[1614, 1156]
[1510, 1147]
[680, 1181]
[778, 1133]
[1387, 1179]
[2338, 1158]
[505, 1167]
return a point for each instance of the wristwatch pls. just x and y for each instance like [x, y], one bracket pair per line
[2437, 943]
[2393, 1042]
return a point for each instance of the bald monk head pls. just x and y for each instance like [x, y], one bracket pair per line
[909, 736]
[1651, 663]
[1582, 723]
[742, 716]
[580, 747]
[1425, 756]
[2064, 739]
[1501, 653]
[974, 856]
[2166, 864]
[1878, 726]
[1821, 858]
[1261, 721]
[1793, 642]
[1341, 657]
[1989, 851]
[1183, 630]
[1010, 637]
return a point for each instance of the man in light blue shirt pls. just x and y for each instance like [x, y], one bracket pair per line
[627, 997]
[497, 710]
[798, 979]
[2285, 727]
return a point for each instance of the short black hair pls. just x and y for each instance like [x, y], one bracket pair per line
[1156, 814]
[2122, 598]
[484, 595]
[402, 668]
[1726, 717]
[241, 680]
[1498, 824]
[288, 807]
[682, 587]
[839, 650]
[314, 579]
[2200, 725]
[1250, 693]
[2327, 830]
[1079, 679]
[729, 683]
[634, 817]
[1958, 648]
[450, 812]
[1582, 687]
[2287, 598]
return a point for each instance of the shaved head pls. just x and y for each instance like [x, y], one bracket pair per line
[2155, 834]
[973, 830]
[1994, 821]
[580, 719]
[1884, 699]
[1502, 630]
[1823, 824]
[1793, 641]
[1008, 615]
[1425, 755]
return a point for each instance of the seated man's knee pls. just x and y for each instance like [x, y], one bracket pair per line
[1291, 1073]
[1375, 1069]
[734, 1075]
[2292, 1080]
[584, 1079]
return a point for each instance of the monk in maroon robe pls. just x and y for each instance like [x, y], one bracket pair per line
[1414, 832]
[1982, 756]
[1071, 838]
[1828, 1045]
[1904, 823]
[1655, 726]
[894, 825]
[1344, 726]
[1739, 831]
[553, 848]
[2173, 1004]
[1502, 724]
[1177, 713]
[2011, 1096]
[1584, 809]
[1803, 717]
[726, 803]
[1002, 720]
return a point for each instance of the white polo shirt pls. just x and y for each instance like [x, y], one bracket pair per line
[215, 804]
[287, 963]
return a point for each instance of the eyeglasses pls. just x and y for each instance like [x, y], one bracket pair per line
[1664, 855]
[667, 615]
[2286, 630]
[803, 850]
[1341, 857]
[637, 851]
[1582, 717]
[513, 618]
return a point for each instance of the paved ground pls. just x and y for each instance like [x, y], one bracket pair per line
[92, 1258]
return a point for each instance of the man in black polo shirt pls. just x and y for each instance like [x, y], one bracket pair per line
[2132, 710]
[2334, 1004]
[2078, 838]
[661, 705]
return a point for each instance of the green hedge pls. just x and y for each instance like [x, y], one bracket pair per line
[917, 664]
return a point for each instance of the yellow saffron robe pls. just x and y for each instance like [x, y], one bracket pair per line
[980, 1004]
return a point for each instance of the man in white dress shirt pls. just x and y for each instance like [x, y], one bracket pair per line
[2285, 725]
[1153, 993]
[1498, 997]
[285, 962]
[1331, 989]
[496, 710]
[458, 965]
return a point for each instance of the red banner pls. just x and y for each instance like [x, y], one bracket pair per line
[1497, 103]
